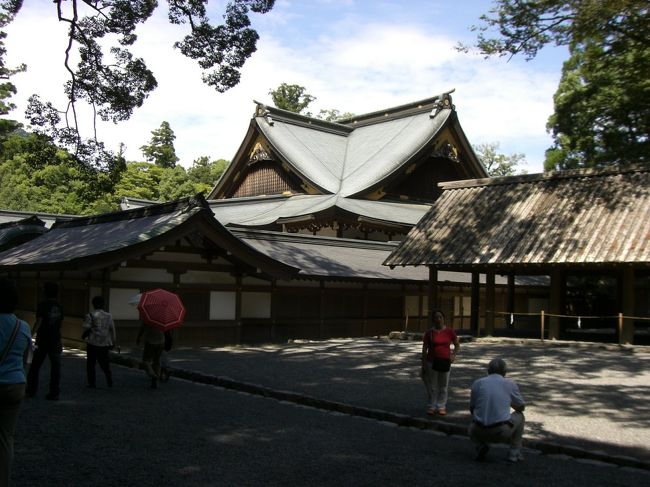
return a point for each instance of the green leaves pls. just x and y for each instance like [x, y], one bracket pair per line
[602, 105]
[110, 79]
[498, 164]
[161, 147]
[293, 98]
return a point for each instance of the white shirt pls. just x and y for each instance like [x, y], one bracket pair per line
[492, 397]
[102, 328]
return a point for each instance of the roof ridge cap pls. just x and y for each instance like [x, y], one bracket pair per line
[186, 204]
[271, 113]
[547, 176]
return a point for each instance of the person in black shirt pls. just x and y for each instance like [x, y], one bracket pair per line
[49, 316]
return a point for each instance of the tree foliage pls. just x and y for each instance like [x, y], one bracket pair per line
[498, 164]
[295, 98]
[112, 81]
[602, 114]
[7, 88]
[36, 175]
[160, 149]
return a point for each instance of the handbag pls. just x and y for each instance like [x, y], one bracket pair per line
[87, 331]
[441, 364]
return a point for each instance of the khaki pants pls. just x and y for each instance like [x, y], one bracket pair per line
[511, 434]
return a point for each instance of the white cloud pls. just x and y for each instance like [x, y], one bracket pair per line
[374, 66]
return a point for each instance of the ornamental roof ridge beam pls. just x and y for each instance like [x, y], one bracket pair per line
[433, 104]
[241, 200]
[184, 204]
[273, 113]
[546, 176]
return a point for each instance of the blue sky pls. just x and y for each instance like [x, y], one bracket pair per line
[356, 56]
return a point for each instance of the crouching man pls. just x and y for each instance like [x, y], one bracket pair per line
[490, 403]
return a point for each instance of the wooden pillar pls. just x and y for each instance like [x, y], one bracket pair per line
[626, 290]
[365, 310]
[274, 307]
[473, 320]
[238, 306]
[433, 294]
[420, 307]
[558, 291]
[489, 303]
[511, 293]
[321, 314]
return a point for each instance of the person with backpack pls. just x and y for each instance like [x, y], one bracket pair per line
[99, 333]
[49, 316]
[436, 362]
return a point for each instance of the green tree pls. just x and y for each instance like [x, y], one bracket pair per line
[205, 174]
[114, 87]
[140, 180]
[332, 115]
[498, 164]
[161, 147]
[602, 112]
[293, 98]
[7, 88]
[35, 175]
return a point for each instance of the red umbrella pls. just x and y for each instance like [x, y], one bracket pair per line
[161, 309]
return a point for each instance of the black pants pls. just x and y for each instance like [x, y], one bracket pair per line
[54, 353]
[96, 354]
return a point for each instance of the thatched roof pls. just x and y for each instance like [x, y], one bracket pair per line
[597, 218]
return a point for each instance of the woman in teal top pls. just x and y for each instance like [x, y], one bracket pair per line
[15, 338]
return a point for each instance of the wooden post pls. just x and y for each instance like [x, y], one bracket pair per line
[511, 297]
[238, 308]
[627, 293]
[433, 295]
[558, 291]
[542, 324]
[489, 303]
[473, 320]
[620, 329]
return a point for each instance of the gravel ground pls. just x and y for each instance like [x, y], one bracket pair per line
[188, 434]
[585, 395]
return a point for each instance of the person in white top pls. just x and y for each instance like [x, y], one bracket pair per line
[491, 399]
[99, 333]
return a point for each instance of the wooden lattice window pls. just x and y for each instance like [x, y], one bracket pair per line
[265, 179]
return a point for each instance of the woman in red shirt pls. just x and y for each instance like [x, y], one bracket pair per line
[436, 362]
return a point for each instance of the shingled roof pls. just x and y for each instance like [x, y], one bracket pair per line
[354, 156]
[597, 218]
[103, 240]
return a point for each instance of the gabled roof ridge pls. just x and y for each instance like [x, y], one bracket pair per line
[39, 214]
[443, 100]
[185, 204]
[30, 220]
[346, 125]
[244, 232]
[547, 176]
[273, 113]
